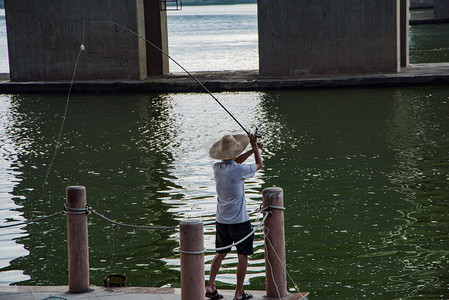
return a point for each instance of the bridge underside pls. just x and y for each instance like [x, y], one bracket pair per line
[44, 39]
[296, 38]
[308, 37]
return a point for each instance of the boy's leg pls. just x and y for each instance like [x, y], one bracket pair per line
[243, 250]
[221, 239]
[214, 268]
[241, 272]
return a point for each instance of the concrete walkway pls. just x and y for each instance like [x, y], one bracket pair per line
[245, 80]
[134, 293]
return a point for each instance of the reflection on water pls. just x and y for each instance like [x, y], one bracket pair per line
[193, 192]
[9, 249]
[429, 43]
[348, 167]
[365, 178]
[109, 153]
[421, 177]
[147, 155]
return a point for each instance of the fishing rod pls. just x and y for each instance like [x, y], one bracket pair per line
[257, 132]
[82, 48]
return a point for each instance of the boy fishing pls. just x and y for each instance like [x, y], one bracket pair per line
[232, 220]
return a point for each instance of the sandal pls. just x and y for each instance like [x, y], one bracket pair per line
[214, 295]
[244, 296]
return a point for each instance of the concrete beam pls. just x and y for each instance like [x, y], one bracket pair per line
[309, 37]
[44, 39]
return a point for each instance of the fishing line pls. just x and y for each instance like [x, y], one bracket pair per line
[172, 59]
[82, 48]
[112, 245]
[58, 141]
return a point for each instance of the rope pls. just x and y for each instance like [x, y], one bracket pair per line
[112, 246]
[257, 227]
[77, 211]
[192, 252]
[272, 275]
[33, 221]
[242, 240]
[283, 266]
[132, 226]
[88, 209]
[276, 207]
[256, 211]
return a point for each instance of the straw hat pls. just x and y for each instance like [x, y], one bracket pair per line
[229, 146]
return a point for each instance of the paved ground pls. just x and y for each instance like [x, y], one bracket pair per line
[134, 293]
[244, 80]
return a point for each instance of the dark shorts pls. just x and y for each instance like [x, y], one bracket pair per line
[231, 233]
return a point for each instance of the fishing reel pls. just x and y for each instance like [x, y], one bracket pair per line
[258, 133]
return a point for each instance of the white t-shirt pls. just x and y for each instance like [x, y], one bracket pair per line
[229, 180]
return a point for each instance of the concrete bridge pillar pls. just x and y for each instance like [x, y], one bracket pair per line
[156, 32]
[309, 37]
[44, 39]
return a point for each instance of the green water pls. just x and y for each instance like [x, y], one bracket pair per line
[429, 43]
[365, 175]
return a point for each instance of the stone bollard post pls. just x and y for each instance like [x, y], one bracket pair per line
[192, 260]
[77, 237]
[276, 281]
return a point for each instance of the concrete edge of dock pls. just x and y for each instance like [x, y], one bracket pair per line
[245, 80]
[99, 292]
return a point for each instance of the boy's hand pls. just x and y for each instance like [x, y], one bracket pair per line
[256, 146]
[252, 139]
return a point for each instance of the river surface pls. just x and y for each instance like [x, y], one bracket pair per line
[365, 174]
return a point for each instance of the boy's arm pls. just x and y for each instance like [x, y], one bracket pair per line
[242, 157]
[255, 149]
